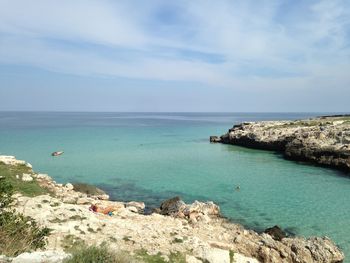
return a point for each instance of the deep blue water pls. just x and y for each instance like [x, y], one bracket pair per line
[153, 156]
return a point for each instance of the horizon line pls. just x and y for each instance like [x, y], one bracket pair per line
[73, 111]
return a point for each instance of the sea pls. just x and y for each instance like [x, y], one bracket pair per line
[150, 157]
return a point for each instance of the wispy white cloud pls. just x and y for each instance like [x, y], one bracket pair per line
[239, 44]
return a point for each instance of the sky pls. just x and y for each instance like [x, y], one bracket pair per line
[230, 56]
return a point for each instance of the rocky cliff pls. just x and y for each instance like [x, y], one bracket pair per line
[323, 141]
[196, 230]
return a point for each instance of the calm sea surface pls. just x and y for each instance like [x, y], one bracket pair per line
[153, 156]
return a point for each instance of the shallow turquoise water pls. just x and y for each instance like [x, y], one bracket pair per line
[150, 157]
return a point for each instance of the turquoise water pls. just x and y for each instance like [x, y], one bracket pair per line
[151, 157]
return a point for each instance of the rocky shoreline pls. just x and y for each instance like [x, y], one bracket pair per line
[323, 141]
[196, 230]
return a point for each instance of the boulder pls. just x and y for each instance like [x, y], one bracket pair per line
[197, 211]
[275, 232]
[208, 208]
[90, 191]
[139, 206]
[84, 201]
[27, 178]
[215, 255]
[215, 139]
[192, 259]
[69, 186]
[172, 206]
[239, 258]
[5, 259]
[49, 256]
[101, 197]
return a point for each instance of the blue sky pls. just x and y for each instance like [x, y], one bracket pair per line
[87, 55]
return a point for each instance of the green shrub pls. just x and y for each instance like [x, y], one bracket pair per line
[18, 233]
[101, 254]
[6, 191]
[176, 257]
[9, 172]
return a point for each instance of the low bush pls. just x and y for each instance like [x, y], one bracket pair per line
[18, 233]
[176, 257]
[101, 254]
[10, 173]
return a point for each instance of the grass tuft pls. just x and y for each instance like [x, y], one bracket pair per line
[101, 254]
[176, 257]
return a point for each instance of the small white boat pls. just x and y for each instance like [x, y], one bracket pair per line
[58, 153]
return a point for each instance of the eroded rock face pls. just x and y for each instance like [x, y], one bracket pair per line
[324, 141]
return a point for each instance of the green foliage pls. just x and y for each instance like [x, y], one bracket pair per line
[101, 254]
[177, 240]
[73, 243]
[6, 191]
[232, 255]
[9, 172]
[18, 233]
[173, 257]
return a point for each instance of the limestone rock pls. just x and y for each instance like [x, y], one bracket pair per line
[208, 208]
[172, 206]
[215, 139]
[84, 201]
[139, 206]
[102, 197]
[197, 211]
[27, 178]
[239, 258]
[216, 255]
[323, 140]
[69, 186]
[192, 259]
[275, 232]
[11, 160]
[209, 238]
[41, 257]
[4, 259]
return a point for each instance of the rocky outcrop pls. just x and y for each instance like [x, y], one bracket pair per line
[130, 231]
[196, 211]
[276, 233]
[323, 141]
[215, 139]
[196, 229]
[49, 256]
[11, 160]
